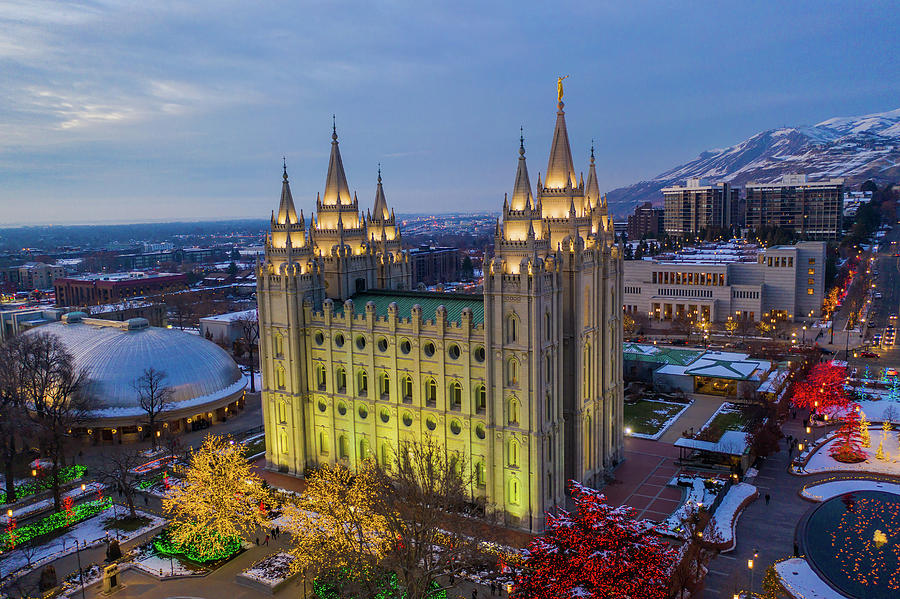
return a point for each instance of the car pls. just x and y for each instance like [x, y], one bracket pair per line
[890, 372]
[878, 296]
[869, 354]
[827, 352]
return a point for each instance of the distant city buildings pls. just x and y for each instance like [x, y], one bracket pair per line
[714, 281]
[854, 200]
[433, 265]
[810, 209]
[698, 206]
[647, 221]
[95, 289]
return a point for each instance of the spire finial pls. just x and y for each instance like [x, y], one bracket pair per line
[333, 127]
[284, 165]
[592, 150]
[521, 141]
[379, 172]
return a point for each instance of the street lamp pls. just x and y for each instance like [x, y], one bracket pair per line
[750, 569]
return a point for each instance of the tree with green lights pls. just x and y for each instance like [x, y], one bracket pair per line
[221, 500]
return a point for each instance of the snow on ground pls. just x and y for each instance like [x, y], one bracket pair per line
[725, 518]
[91, 531]
[821, 461]
[157, 565]
[697, 496]
[271, 570]
[833, 488]
[799, 580]
[39, 506]
[667, 423]
[874, 410]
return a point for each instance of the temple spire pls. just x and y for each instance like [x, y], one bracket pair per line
[336, 189]
[287, 214]
[521, 198]
[560, 168]
[381, 210]
[592, 188]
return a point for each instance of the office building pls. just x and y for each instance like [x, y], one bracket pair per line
[810, 209]
[697, 207]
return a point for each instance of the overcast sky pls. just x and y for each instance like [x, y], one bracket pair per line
[134, 111]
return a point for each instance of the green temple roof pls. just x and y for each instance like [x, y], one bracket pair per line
[660, 354]
[429, 302]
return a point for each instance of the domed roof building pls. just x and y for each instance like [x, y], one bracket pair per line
[205, 382]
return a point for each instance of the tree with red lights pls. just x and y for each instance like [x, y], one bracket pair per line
[823, 390]
[596, 552]
[848, 447]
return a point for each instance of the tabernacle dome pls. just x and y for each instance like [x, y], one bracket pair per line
[206, 384]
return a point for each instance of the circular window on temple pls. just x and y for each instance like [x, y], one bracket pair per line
[431, 423]
[428, 348]
[382, 344]
[385, 415]
[455, 427]
[342, 408]
[361, 342]
[339, 340]
[320, 338]
[363, 412]
[407, 419]
[479, 431]
[322, 405]
[405, 347]
[453, 351]
[479, 354]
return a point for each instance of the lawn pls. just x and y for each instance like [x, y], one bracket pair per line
[729, 417]
[648, 417]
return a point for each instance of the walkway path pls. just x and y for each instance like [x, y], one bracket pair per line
[642, 478]
[693, 418]
[766, 528]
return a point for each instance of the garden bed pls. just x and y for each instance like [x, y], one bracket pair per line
[729, 417]
[649, 419]
[269, 574]
[721, 525]
[701, 492]
[34, 486]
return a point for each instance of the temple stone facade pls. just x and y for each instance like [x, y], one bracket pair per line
[524, 381]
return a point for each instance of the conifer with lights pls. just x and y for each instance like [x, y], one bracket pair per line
[864, 436]
[220, 502]
[597, 551]
[848, 447]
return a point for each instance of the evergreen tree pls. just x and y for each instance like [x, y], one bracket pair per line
[864, 436]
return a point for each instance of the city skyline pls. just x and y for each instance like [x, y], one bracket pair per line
[117, 113]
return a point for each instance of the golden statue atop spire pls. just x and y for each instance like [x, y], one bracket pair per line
[559, 88]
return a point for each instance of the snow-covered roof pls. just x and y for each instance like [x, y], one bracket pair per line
[731, 443]
[231, 316]
[723, 365]
[663, 354]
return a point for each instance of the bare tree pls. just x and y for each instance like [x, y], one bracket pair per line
[56, 399]
[248, 324]
[13, 418]
[424, 507]
[118, 473]
[155, 397]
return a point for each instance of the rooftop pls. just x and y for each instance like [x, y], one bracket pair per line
[721, 365]
[231, 316]
[428, 301]
[123, 276]
[661, 354]
[712, 253]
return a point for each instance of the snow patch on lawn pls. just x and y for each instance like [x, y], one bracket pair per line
[271, 570]
[835, 488]
[799, 580]
[724, 520]
[697, 496]
[665, 426]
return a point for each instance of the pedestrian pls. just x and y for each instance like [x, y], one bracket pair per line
[452, 579]
[278, 530]
[474, 593]
[796, 549]
[493, 588]
[146, 501]
[257, 541]
[266, 542]
[768, 497]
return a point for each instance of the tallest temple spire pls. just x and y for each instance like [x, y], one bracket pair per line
[560, 168]
[336, 189]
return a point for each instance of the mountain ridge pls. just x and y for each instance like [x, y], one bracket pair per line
[853, 148]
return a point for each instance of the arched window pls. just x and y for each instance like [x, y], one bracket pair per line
[455, 395]
[362, 383]
[513, 453]
[364, 451]
[430, 391]
[587, 372]
[323, 443]
[479, 474]
[341, 379]
[279, 345]
[407, 388]
[279, 377]
[480, 398]
[343, 447]
[320, 377]
[549, 406]
[514, 491]
[513, 416]
[387, 456]
[384, 385]
[512, 328]
[548, 367]
[282, 412]
[547, 326]
[586, 434]
[283, 441]
[512, 372]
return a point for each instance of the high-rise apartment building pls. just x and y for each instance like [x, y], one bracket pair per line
[524, 381]
[698, 206]
[647, 221]
[811, 209]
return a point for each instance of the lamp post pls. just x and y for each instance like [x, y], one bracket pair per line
[80, 571]
[750, 570]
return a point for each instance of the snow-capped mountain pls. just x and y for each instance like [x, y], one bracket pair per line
[855, 148]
